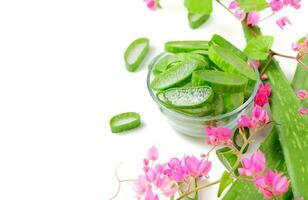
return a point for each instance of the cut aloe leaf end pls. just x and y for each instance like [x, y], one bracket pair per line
[196, 19]
[230, 62]
[124, 122]
[191, 97]
[221, 82]
[135, 53]
[186, 46]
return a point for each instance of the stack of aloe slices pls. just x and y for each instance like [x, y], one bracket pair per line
[201, 78]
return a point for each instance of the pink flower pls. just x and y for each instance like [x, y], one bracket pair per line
[233, 5]
[294, 3]
[283, 21]
[153, 153]
[272, 184]
[239, 14]
[259, 116]
[295, 46]
[265, 88]
[302, 94]
[245, 121]
[303, 111]
[254, 63]
[264, 77]
[253, 165]
[276, 5]
[196, 168]
[261, 99]
[152, 4]
[253, 18]
[301, 47]
[218, 136]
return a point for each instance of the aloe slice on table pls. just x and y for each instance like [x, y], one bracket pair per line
[191, 97]
[233, 101]
[135, 53]
[222, 42]
[177, 74]
[196, 19]
[186, 46]
[230, 62]
[124, 121]
[220, 82]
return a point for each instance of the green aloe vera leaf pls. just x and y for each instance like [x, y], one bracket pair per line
[177, 74]
[196, 19]
[221, 82]
[233, 101]
[218, 105]
[135, 53]
[222, 42]
[124, 121]
[186, 46]
[191, 97]
[230, 62]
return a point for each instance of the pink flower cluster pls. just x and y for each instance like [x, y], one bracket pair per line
[253, 16]
[263, 94]
[302, 94]
[218, 136]
[268, 182]
[154, 179]
[163, 178]
[188, 168]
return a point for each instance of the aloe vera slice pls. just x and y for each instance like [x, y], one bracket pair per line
[230, 62]
[124, 121]
[135, 53]
[175, 75]
[222, 42]
[221, 82]
[186, 46]
[197, 112]
[218, 105]
[233, 101]
[196, 19]
[191, 97]
[165, 63]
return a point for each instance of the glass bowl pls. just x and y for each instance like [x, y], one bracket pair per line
[194, 126]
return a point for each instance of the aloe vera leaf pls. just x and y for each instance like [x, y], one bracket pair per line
[218, 105]
[177, 74]
[300, 80]
[233, 101]
[221, 82]
[135, 53]
[165, 63]
[196, 19]
[222, 42]
[230, 62]
[191, 97]
[186, 46]
[124, 121]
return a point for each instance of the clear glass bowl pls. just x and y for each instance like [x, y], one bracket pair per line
[194, 126]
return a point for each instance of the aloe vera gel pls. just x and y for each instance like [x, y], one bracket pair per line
[201, 78]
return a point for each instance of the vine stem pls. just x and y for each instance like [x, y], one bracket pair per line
[224, 6]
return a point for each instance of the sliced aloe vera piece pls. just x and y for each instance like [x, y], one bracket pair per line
[230, 62]
[124, 121]
[221, 82]
[222, 42]
[135, 53]
[186, 46]
[196, 19]
[202, 52]
[175, 75]
[233, 101]
[191, 97]
[206, 109]
[165, 63]
[218, 105]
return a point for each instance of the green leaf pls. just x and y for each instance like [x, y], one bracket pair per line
[252, 5]
[224, 182]
[196, 19]
[258, 48]
[199, 6]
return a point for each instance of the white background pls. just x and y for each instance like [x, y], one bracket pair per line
[62, 78]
